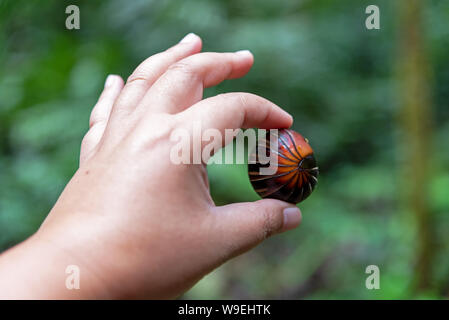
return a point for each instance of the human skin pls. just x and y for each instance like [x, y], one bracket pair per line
[137, 225]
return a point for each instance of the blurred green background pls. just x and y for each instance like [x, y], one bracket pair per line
[373, 103]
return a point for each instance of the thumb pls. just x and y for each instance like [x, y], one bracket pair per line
[241, 226]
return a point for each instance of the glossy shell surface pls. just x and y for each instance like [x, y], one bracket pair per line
[296, 174]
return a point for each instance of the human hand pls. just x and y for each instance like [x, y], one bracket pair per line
[138, 225]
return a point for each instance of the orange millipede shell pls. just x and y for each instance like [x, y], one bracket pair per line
[297, 172]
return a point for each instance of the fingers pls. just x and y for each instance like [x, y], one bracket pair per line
[239, 110]
[102, 109]
[183, 83]
[100, 115]
[151, 69]
[239, 227]
[235, 110]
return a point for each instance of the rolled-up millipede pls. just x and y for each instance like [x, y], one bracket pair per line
[297, 172]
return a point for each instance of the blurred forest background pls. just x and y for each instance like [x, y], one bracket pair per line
[373, 103]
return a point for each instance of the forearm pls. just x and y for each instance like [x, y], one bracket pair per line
[35, 269]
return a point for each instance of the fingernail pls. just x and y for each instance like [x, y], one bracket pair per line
[188, 38]
[109, 81]
[292, 218]
[244, 53]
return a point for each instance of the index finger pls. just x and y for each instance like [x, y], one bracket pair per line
[236, 110]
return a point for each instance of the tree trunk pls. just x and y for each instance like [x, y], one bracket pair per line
[415, 119]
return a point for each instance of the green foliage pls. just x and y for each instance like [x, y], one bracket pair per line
[314, 58]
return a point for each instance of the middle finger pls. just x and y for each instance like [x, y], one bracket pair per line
[182, 84]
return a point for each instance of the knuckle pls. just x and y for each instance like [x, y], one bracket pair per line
[95, 118]
[137, 77]
[250, 100]
[243, 99]
[258, 99]
[183, 68]
[144, 72]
